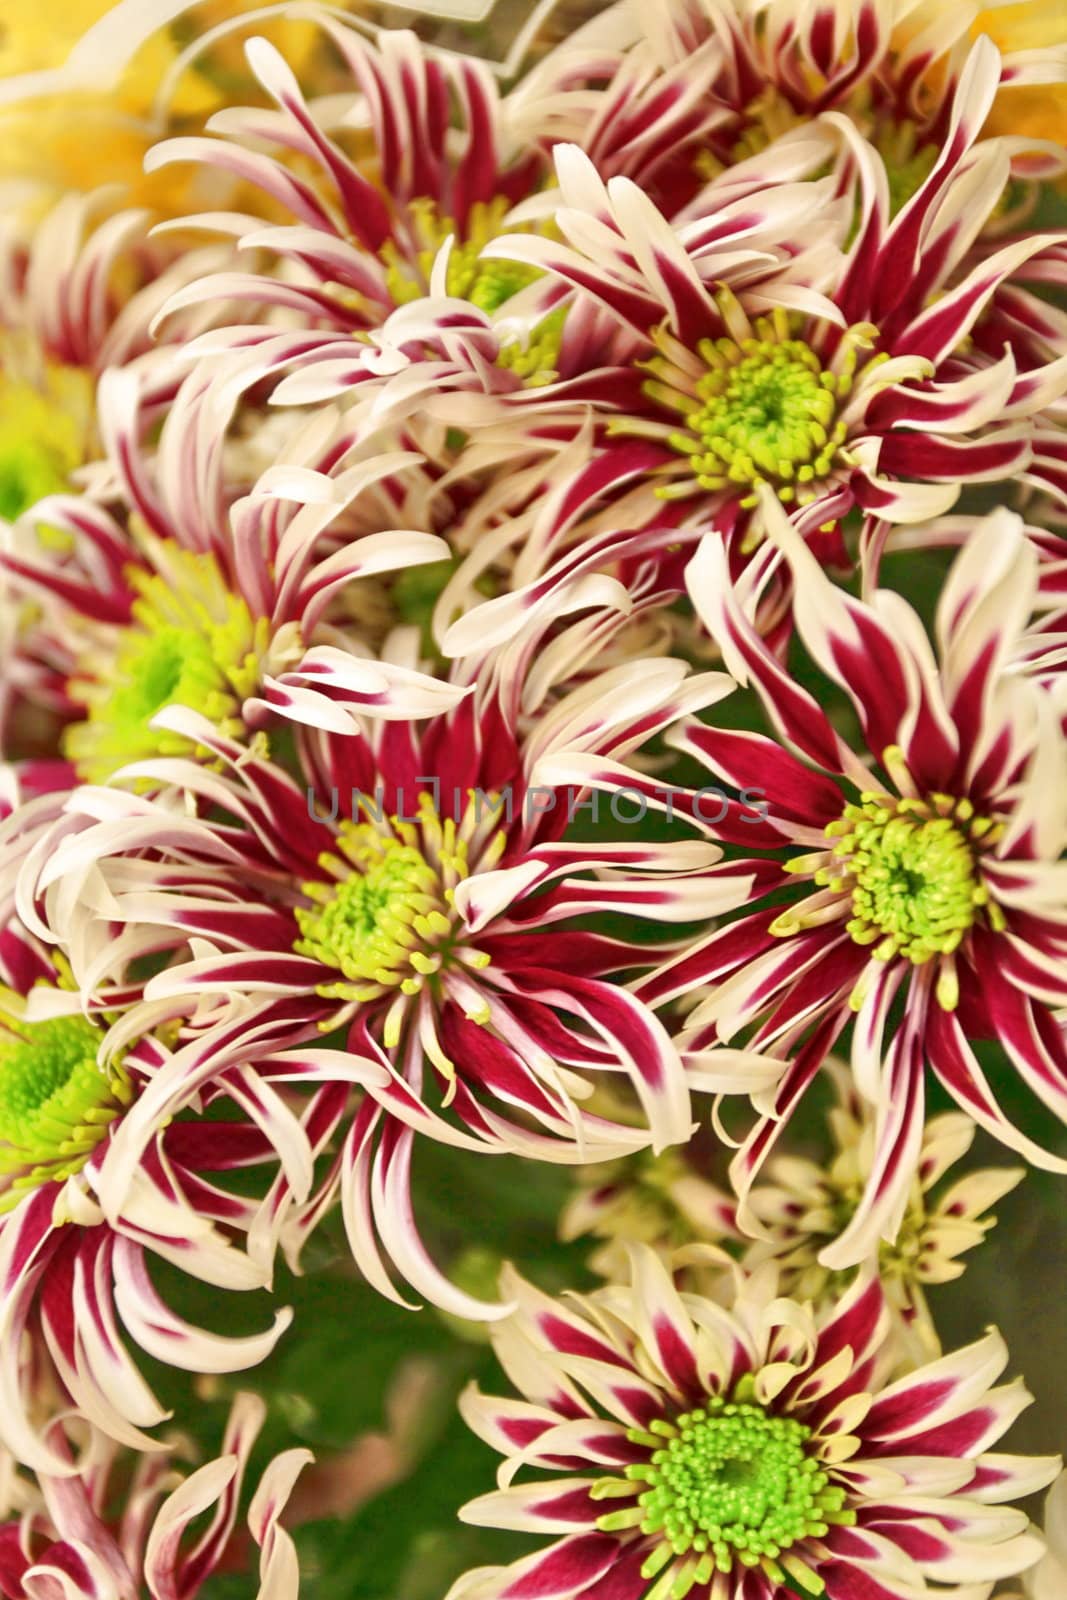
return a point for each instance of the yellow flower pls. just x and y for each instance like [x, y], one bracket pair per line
[1023, 24]
[1036, 111]
[64, 127]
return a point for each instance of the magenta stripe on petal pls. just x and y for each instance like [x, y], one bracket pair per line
[565, 1569]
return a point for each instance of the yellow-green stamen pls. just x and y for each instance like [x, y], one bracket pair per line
[767, 415]
[43, 436]
[382, 913]
[191, 643]
[56, 1101]
[910, 867]
[486, 284]
[535, 358]
[728, 1485]
[765, 407]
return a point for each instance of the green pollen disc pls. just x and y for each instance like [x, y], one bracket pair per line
[27, 474]
[535, 358]
[55, 1100]
[486, 284]
[42, 435]
[766, 415]
[913, 879]
[733, 1484]
[192, 643]
[381, 915]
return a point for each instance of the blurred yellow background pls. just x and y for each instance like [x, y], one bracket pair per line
[75, 122]
[78, 122]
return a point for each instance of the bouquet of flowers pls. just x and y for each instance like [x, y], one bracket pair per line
[533, 626]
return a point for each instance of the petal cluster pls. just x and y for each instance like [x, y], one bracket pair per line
[533, 616]
[741, 1445]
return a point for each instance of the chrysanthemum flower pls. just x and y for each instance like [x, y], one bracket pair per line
[75, 1234]
[383, 274]
[914, 883]
[527, 482]
[85, 1532]
[745, 1450]
[384, 184]
[692, 87]
[75, 297]
[199, 594]
[79, 289]
[418, 891]
[78, 292]
[803, 1204]
[868, 395]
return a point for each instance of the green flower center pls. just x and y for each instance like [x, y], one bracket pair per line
[486, 284]
[42, 437]
[766, 414]
[535, 359]
[55, 1100]
[728, 1485]
[911, 869]
[192, 643]
[738, 1483]
[382, 915]
[163, 663]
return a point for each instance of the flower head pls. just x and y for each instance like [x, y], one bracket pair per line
[802, 1205]
[374, 221]
[198, 593]
[71, 1531]
[74, 296]
[913, 881]
[75, 1231]
[419, 892]
[743, 1448]
[837, 380]
[695, 87]
[79, 288]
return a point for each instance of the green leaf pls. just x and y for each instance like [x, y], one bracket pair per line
[407, 1544]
